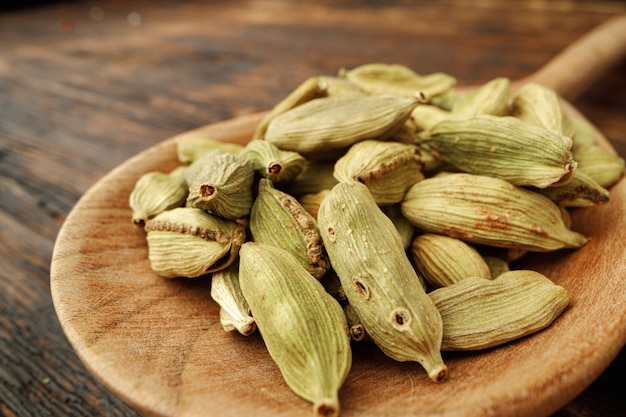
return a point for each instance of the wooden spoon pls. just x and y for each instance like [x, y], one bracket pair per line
[158, 344]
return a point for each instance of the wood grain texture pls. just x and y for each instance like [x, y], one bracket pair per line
[81, 92]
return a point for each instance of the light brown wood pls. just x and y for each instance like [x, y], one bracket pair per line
[158, 343]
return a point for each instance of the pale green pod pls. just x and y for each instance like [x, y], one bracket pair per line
[491, 98]
[235, 312]
[503, 147]
[308, 90]
[478, 313]
[380, 78]
[278, 219]
[489, 211]
[538, 105]
[189, 242]
[380, 283]
[357, 331]
[303, 327]
[426, 116]
[443, 260]
[582, 132]
[581, 191]
[320, 126]
[222, 185]
[192, 147]
[155, 192]
[604, 166]
[272, 163]
[388, 169]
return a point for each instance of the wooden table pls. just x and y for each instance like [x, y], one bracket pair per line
[85, 85]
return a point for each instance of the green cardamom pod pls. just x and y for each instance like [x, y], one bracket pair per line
[326, 124]
[491, 98]
[478, 313]
[605, 167]
[234, 310]
[303, 327]
[367, 254]
[443, 260]
[189, 242]
[192, 147]
[272, 163]
[503, 147]
[489, 211]
[222, 185]
[388, 169]
[538, 105]
[278, 219]
[155, 192]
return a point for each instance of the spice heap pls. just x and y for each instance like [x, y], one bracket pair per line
[379, 205]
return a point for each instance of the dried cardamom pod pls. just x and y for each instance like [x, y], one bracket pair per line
[490, 211]
[191, 148]
[155, 192]
[303, 327]
[367, 253]
[189, 242]
[582, 132]
[581, 191]
[491, 98]
[443, 260]
[380, 78]
[538, 105]
[320, 126]
[273, 163]
[234, 313]
[605, 167]
[278, 219]
[503, 147]
[427, 116]
[308, 90]
[388, 169]
[478, 313]
[222, 185]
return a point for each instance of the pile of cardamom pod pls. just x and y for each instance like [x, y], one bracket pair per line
[379, 205]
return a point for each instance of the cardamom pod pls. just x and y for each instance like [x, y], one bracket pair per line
[222, 185]
[478, 313]
[443, 260]
[234, 313]
[497, 266]
[308, 90]
[320, 126]
[405, 229]
[311, 202]
[503, 147]
[491, 98]
[303, 327]
[427, 116]
[155, 192]
[272, 163]
[278, 219]
[538, 105]
[380, 78]
[189, 242]
[490, 211]
[367, 254]
[605, 167]
[581, 191]
[338, 86]
[388, 169]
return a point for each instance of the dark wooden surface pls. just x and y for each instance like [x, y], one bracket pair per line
[85, 85]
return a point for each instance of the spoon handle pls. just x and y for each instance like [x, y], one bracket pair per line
[578, 66]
